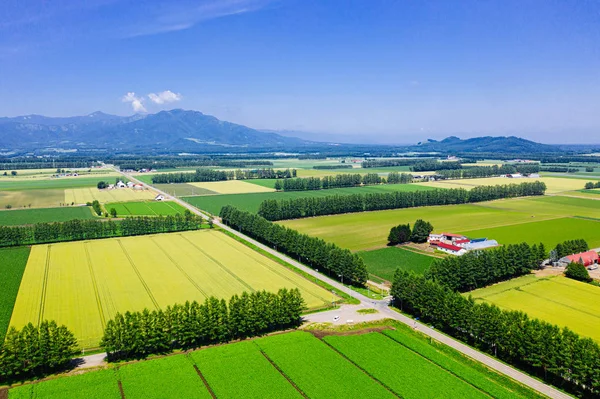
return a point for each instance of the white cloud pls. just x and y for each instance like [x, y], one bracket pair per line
[163, 97]
[136, 102]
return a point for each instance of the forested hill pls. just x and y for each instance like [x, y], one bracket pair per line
[175, 130]
[485, 144]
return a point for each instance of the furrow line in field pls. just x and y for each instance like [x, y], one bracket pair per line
[591, 314]
[190, 279]
[222, 266]
[438, 365]
[274, 270]
[360, 368]
[135, 269]
[44, 286]
[210, 390]
[94, 284]
[283, 374]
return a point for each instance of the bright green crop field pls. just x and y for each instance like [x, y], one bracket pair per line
[58, 183]
[557, 300]
[15, 217]
[12, 266]
[145, 208]
[251, 202]
[295, 365]
[382, 263]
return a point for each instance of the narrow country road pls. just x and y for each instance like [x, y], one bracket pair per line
[382, 307]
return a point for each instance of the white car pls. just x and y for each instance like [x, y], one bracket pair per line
[593, 267]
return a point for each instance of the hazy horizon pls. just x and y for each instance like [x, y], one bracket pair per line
[392, 72]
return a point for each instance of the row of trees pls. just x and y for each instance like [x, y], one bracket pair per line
[591, 185]
[74, 230]
[329, 167]
[335, 204]
[557, 355]
[192, 325]
[386, 163]
[569, 248]
[559, 169]
[326, 182]
[337, 262]
[206, 175]
[399, 178]
[36, 351]
[478, 269]
[179, 162]
[433, 165]
[473, 172]
[403, 233]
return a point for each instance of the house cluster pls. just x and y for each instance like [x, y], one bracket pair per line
[521, 176]
[75, 174]
[589, 259]
[131, 185]
[457, 244]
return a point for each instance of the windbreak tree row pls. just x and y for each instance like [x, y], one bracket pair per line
[36, 351]
[337, 181]
[192, 325]
[145, 163]
[207, 175]
[473, 172]
[337, 262]
[570, 247]
[75, 230]
[559, 356]
[478, 269]
[336, 204]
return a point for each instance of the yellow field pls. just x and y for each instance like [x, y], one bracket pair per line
[83, 284]
[232, 187]
[555, 184]
[83, 195]
[36, 198]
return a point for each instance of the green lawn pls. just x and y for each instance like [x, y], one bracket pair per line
[251, 202]
[12, 266]
[383, 262]
[550, 232]
[557, 300]
[295, 365]
[145, 208]
[15, 217]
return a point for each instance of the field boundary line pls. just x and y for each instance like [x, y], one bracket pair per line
[149, 206]
[210, 390]
[283, 374]
[447, 370]
[558, 303]
[44, 286]
[360, 368]
[270, 268]
[508, 289]
[178, 212]
[95, 284]
[191, 280]
[148, 291]
[222, 266]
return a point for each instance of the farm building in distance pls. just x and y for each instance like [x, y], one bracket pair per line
[457, 244]
[588, 258]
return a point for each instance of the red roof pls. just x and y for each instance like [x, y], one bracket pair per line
[589, 257]
[449, 246]
[452, 235]
[466, 240]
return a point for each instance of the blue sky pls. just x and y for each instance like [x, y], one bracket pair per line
[391, 70]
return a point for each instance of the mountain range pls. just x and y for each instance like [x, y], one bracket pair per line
[180, 130]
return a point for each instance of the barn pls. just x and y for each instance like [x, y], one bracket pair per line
[588, 258]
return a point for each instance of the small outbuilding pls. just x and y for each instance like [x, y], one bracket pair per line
[159, 197]
[451, 249]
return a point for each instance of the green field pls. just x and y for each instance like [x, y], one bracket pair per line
[57, 183]
[557, 300]
[83, 284]
[550, 232]
[15, 217]
[183, 189]
[251, 202]
[12, 266]
[32, 198]
[382, 263]
[550, 205]
[145, 208]
[295, 365]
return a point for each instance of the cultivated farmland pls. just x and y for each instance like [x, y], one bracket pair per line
[554, 184]
[251, 202]
[382, 263]
[12, 266]
[557, 300]
[83, 284]
[17, 217]
[232, 187]
[84, 195]
[295, 365]
[145, 208]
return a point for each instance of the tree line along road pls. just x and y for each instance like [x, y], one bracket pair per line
[383, 307]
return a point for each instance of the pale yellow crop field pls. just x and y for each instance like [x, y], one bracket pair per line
[84, 284]
[83, 195]
[232, 187]
[554, 184]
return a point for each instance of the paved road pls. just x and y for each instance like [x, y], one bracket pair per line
[383, 308]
